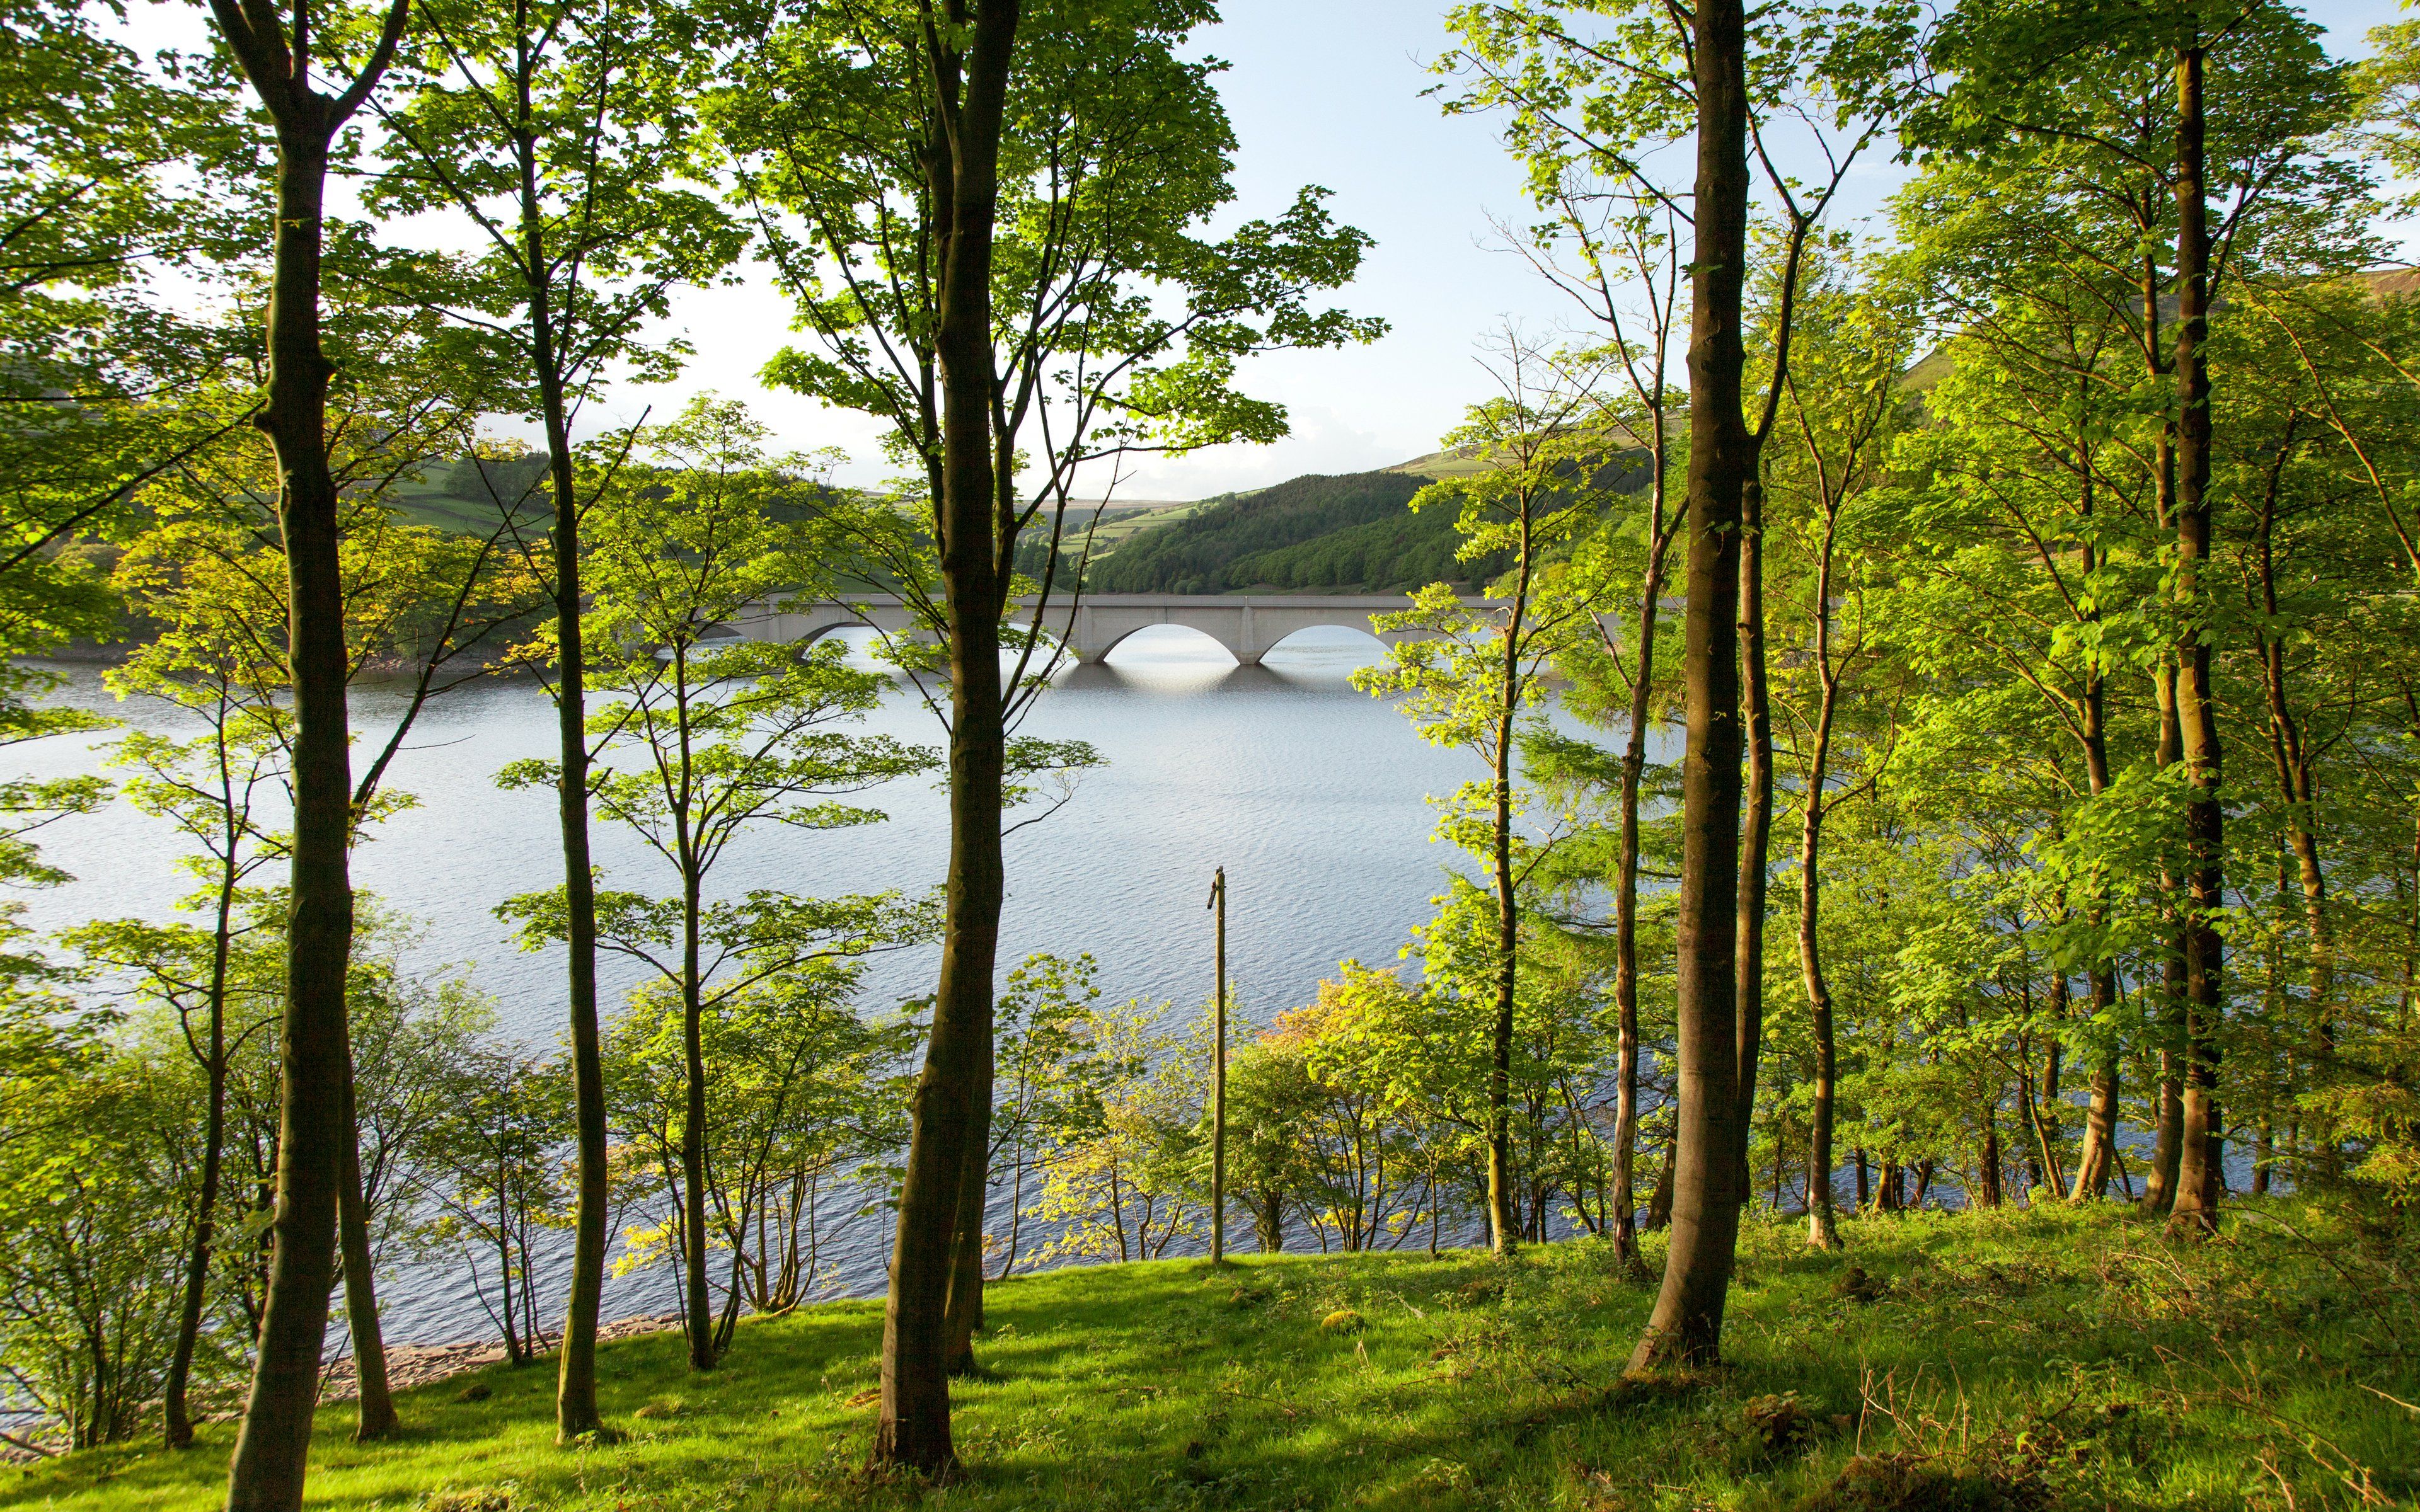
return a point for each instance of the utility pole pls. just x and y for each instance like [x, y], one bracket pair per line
[1218, 906]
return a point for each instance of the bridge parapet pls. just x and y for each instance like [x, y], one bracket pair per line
[1247, 624]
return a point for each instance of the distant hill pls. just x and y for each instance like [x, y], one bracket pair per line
[471, 495]
[1264, 539]
[1404, 549]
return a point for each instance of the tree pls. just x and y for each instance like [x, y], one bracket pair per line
[562, 132]
[1045, 1076]
[209, 571]
[1623, 236]
[988, 215]
[96, 367]
[1471, 677]
[1122, 1181]
[1605, 100]
[1842, 406]
[495, 1147]
[276, 55]
[721, 734]
[208, 788]
[2025, 82]
[799, 1086]
[90, 1183]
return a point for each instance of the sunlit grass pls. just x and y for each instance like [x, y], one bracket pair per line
[2016, 1359]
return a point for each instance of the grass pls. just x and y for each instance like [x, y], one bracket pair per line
[2019, 1360]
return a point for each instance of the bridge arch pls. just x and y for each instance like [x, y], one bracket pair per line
[1355, 634]
[1188, 633]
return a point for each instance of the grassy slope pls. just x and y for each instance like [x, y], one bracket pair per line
[2016, 1360]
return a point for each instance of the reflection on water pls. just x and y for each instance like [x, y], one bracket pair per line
[1308, 792]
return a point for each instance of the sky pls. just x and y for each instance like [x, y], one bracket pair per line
[1323, 92]
[1326, 92]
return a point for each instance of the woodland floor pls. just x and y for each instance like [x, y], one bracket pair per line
[2018, 1360]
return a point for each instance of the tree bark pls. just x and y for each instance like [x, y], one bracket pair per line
[1755, 821]
[1500, 1221]
[696, 1303]
[575, 1388]
[373, 1402]
[2160, 1181]
[962, 164]
[2199, 1179]
[179, 1431]
[1685, 1328]
[272, 1448]
[966, 1303]
[1626, 897]
[1659, 1199]
[1987, 1175]
[1823, 1226]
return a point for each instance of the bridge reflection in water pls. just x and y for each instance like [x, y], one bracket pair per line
[1249, 625]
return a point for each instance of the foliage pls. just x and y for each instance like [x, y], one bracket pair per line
[1122, 1182]
[800, 1092]
[90, 1213]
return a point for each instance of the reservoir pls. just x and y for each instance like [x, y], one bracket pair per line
[1311, 795]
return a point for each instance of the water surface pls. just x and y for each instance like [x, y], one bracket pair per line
[1310, 793]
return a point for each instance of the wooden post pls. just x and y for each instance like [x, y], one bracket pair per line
[1218, 1077]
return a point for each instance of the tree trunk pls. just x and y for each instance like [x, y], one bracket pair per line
[1988, 1179]
[2100, 1121]
[2291, 757]
[2199, 1179]
[373, 1402]
[2041, 1112]
[1626, 897]
[1756, 820]
[2160, 1181]
[178, 1416]
[515, 1355]
[1685, 1328]
[1659, 1200]
[272, 1448]
[965, 1305]
[575, 1387]
[1822, 1227]
[695, 1301]
[1500, 1223]
[962, 164]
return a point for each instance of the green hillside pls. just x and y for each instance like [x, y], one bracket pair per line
[2024, 1360]
[470, 495]
[1349, 533]
[1406, 549]
[1203, 552]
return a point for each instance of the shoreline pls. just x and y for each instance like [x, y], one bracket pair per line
[423, 1365]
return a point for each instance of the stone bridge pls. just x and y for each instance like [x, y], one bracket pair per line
[1249, 625]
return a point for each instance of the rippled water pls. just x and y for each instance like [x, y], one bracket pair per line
[1310, 793]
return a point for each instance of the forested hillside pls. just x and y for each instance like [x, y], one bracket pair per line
[1223, 547]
